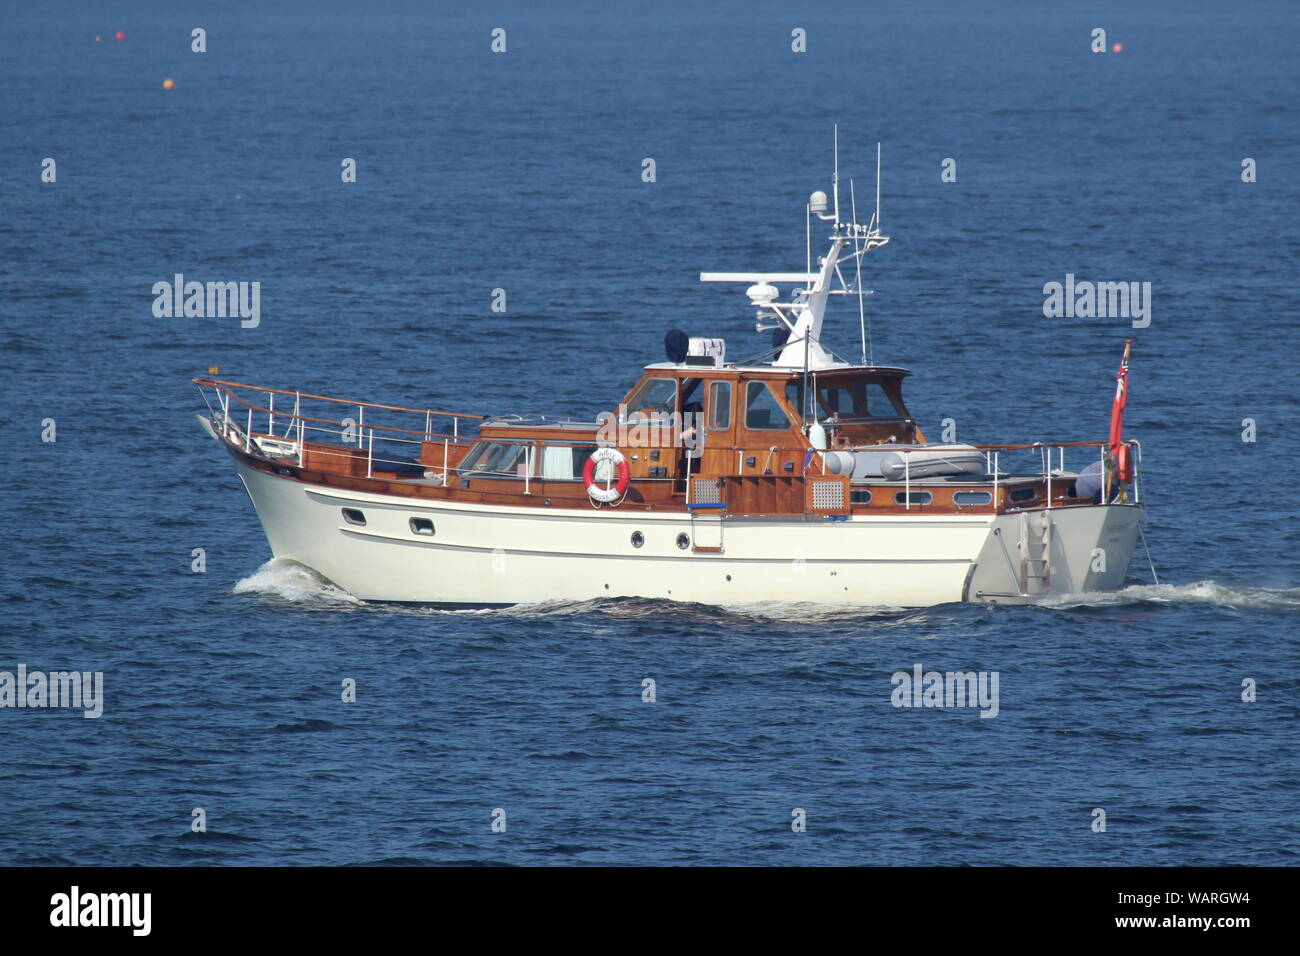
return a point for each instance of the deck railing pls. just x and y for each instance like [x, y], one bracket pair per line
[239, 411]
[307, 431]
[1050, 470]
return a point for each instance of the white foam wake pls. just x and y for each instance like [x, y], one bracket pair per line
[299, 584]
[291, 581]
[1200, 592]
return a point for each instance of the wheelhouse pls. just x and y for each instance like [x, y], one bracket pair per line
[738, 407]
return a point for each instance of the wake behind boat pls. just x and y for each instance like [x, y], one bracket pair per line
[793, 475]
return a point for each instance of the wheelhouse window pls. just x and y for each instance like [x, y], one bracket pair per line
[657, 399]
[762, 410]
[489, 459]
[852, 401]
[720, 406]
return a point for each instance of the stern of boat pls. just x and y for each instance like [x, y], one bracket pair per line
[1047, 552]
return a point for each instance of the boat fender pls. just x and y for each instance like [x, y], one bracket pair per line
[606, 493]
[1088, 483]
[838, 462]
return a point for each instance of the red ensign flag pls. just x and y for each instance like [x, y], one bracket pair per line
[1121, 399]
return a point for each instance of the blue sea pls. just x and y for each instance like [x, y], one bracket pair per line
[522, 171]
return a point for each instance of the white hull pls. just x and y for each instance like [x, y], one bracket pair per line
[493, 555]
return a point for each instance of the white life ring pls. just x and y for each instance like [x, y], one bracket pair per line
[613, 487]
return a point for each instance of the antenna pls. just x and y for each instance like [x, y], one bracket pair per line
[857, 266]
[835, 181]
[807, 240]
[877, 185]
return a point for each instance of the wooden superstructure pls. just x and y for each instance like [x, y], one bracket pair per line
[752, 458]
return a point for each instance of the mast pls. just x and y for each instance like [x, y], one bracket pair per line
[804, 313]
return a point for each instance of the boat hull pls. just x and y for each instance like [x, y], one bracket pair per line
[486, 555]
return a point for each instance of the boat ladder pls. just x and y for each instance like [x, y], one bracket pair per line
[1035, 552]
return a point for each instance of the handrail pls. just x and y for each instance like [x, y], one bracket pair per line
[1041, 444]
[995, 469]
[360, 426]
[216, 382]
[228, 390]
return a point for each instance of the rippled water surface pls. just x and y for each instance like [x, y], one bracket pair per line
[522, 171]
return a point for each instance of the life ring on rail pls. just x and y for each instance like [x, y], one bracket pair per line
[1124, 463]
[610, 458]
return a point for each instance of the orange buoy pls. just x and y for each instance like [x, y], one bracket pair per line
[1117, 48]
[119, 35]
[168, 83]
[213, 370]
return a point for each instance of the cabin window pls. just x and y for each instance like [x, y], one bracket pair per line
[720, 406]
[565, 462]
[421, 526]
[655, 400]
[693, 395]
[762, 411]
[849, 401]
[580, 456]
[795, 395]
[912, 498]
[1024, 494]
[489, 459]
[354, 516]
[557, 462]
[972, 498]
[860, 496]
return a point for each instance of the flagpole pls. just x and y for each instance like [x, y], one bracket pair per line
[1117, 421]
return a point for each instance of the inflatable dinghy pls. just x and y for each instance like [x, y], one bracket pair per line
[897, 462]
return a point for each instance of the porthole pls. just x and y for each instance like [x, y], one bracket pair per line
[354, 516]
[683, 541]
[914, 498]
[972, 498]
[638, 539]
[1024, 494]
[421, 526]
[860, 496]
